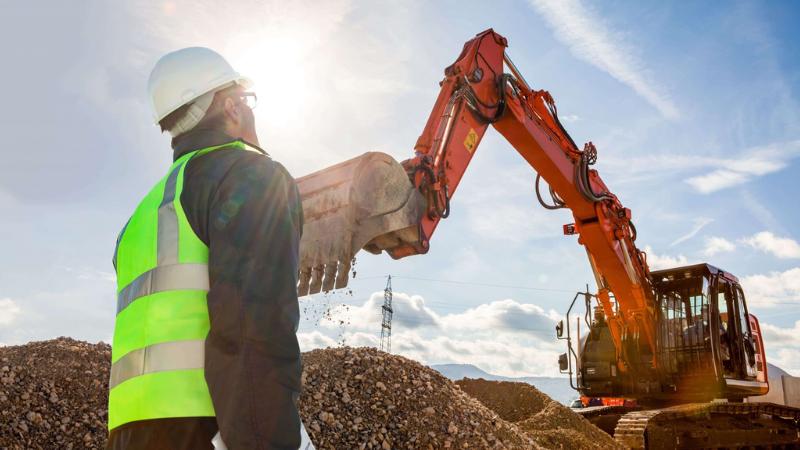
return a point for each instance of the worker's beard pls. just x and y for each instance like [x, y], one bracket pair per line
[249, 126]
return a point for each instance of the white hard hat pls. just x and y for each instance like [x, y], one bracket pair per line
[184, 75]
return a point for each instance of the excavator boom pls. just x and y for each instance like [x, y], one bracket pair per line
[476, 93]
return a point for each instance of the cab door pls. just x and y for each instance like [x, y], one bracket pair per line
[723, 329]
[744, 334]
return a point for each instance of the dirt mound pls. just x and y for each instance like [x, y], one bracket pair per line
[361, 398]
[512, 401]
[549, 423]
[54, 394]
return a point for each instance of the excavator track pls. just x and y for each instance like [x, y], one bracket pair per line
[605, 417]
[711, 426]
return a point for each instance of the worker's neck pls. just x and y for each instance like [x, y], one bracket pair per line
[198, 138]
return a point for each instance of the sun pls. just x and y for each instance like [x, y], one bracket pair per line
[279, 64]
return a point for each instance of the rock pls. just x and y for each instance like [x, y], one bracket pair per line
[452, 428]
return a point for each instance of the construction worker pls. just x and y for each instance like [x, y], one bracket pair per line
[204, 340]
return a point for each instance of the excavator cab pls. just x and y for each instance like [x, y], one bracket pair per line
[709, 344]
[708, 332]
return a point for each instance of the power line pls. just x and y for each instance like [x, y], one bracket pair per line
[431, 304]
[472, 283]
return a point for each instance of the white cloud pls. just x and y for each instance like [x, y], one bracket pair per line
[772, 288]
[699, 224]
[8, 311]
[782, 346]
[500, 353]
[314, 339]
[505, 337]
[717, 180]
[784, 248]
[508, 315]
[658, 262]
[753, 163]
[569, 118]
[591, 39]
[721, 172]
[716, 245]
[409, 311]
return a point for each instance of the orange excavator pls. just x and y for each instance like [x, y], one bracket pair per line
[680, 342]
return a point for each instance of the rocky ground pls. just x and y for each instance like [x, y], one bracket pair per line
[53, 395]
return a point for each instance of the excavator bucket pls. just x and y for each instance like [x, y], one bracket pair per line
[367, 202]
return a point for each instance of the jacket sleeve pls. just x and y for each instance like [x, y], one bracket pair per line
[253, 364]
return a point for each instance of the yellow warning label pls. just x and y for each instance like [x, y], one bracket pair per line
[471, 141]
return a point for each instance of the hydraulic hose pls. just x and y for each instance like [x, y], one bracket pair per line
[557, 202]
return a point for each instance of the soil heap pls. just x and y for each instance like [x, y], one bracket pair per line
[361, 398]
[549, 423]
[54, 394]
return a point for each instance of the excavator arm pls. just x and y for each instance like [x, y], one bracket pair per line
[372, 203]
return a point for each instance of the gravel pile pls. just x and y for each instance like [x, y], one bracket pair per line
[54, 395]
[360, 398]
[549, 423]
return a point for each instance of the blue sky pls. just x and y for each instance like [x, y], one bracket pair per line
[693, 107]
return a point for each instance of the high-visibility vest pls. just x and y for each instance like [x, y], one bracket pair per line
[158, 352]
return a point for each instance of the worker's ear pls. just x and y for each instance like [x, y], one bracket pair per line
[232, 112]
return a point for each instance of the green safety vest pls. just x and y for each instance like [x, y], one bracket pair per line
[158, 353]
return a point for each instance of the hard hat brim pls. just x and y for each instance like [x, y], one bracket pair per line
[245, 82]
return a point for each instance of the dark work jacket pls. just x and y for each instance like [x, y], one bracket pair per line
[246, 208]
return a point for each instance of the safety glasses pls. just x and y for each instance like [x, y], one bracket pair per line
[248, 98]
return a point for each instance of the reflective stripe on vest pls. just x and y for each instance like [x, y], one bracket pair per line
[177, 355]
[158, 352]
[164, 278]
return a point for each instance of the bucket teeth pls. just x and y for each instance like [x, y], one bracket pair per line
[323, 278]
[303, 282]
[316, 279]
[330, 276]
[344, 274]
[366, 202]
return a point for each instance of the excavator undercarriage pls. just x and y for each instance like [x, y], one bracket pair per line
[714, 425]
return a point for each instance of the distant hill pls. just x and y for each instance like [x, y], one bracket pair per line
[557, 388]
[775, 371]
